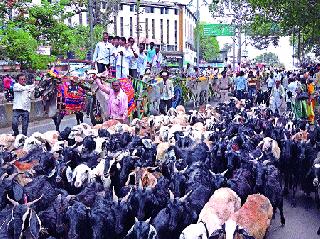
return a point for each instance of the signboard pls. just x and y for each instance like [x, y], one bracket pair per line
[44, 50]
[78, 69]
[218, 30]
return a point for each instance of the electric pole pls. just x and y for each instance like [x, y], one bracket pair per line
[90, 17]
[198, 34]
[138, 22]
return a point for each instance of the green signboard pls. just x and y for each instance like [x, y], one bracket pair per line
[218, 30]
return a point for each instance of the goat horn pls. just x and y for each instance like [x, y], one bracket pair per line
[185, 196]
[175, 170]
[125, 198]
[171, 196]
[223, 173]
[136, 220]
[3, 176]
[12, 201]
[184, 170]
[148, 220]
[212, 173]
[114, 196]
[34, 201]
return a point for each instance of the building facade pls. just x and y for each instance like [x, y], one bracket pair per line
[169, 25]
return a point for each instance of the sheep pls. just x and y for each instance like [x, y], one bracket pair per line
[6, 140]
[268, 143]
[253, 218]
[162, 150]
[220, 207]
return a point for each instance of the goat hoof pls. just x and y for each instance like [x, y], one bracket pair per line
[283, 221]
[318, 232]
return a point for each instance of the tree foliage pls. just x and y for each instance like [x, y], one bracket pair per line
[265, 21]
[269, 58]
[209, 46]
[20, 46]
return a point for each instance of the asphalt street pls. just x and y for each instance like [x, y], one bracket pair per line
[301, 223]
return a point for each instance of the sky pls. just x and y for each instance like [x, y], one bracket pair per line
[283, 50]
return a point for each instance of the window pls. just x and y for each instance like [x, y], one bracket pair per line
[121, 7]
[153, 29]
[176, 32]
[175, 11]
[167, 10]
[131, 8]
[121, 26]
[147, 9]
[161, 30]
[162, 10]
[69, 21]
[115, 31]
[147, 28]
[152, 9]
[131, 31]
[103, 5]
[168, 31]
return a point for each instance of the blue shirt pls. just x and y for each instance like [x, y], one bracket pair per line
[241, 83]
[150, 54]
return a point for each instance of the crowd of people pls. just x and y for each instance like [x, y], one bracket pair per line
[117, 58]
[124, 58]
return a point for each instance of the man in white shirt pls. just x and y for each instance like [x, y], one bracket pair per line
[103, 53]
[156, 62]
[133, 61]
[166, 92]
[141, 62]
[123, 56]
[21, 104]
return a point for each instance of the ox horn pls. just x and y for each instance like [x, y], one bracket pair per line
[12, 201]
[34, 201]
[114, 196]
[171, 196]
[185, 196]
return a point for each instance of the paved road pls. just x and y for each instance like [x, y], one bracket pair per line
[300, 223]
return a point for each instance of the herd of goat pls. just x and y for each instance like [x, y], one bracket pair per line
[220, 172]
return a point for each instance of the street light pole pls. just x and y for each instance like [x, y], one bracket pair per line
[138, 21]
[90, 13]
[198, 34]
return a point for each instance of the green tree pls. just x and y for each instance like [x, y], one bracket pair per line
[19, 46]
[82, 34]
[209, 46]
[269, 58]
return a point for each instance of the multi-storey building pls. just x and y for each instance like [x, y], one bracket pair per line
[169, 25]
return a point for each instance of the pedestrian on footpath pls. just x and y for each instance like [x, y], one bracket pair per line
[118, 101]
[22, 94]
